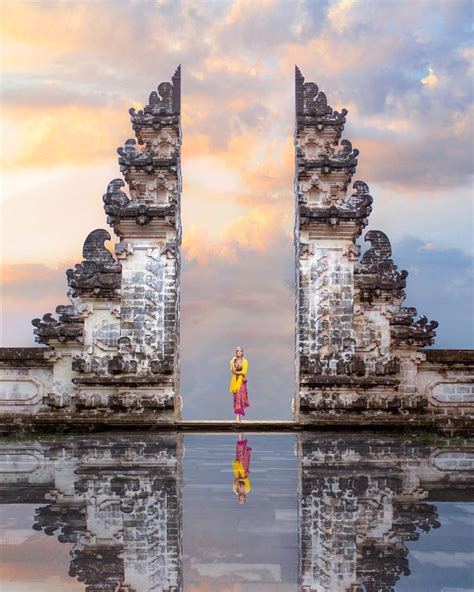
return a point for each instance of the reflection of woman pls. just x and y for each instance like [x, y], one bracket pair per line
[238, 383]
[241, 466]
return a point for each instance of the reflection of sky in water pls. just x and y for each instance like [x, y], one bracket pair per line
[443, 560]
[253, 546]
[29, 560]
[227, 544]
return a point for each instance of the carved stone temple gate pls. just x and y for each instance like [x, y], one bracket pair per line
[357, 347]
[112, 353]
[115, 348]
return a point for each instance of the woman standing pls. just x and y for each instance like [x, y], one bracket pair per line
[238, 383]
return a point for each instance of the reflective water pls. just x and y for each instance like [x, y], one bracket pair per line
[150, 512]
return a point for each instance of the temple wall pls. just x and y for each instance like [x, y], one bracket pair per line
[26, 377]
[446, 380]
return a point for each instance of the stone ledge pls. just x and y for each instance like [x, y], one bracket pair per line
[449, 356]
[90, 422]
[124, 380]
[24, 356]
[343, 380]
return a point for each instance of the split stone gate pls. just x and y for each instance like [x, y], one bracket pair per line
[113, 351]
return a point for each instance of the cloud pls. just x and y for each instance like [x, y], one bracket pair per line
[431, 79]
[444, 559]
[341, 13]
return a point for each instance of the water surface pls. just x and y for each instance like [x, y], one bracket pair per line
[284, 512]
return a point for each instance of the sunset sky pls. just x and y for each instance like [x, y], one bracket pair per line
[71, 70]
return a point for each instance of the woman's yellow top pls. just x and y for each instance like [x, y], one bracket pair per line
[239, 473]
[236, 380]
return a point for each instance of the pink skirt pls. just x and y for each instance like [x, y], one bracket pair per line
[242, 454]
[241, 399]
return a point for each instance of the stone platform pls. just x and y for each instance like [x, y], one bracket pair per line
[54, 423]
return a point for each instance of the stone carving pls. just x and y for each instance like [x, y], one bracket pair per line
[99, 275]
[376, 273]
[155, 153]
[69, 327]
[163, 106]
[313, 109]
[331, 206]
[406, 330]
[115, 197]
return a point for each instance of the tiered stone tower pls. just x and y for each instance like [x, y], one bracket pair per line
[356, 344]
[116, 346]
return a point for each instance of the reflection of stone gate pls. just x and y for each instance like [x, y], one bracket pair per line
[116, 500]
[361, 498]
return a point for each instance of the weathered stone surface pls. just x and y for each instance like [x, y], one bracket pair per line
[362, 498]
[69, 326]
[357, 346]
[376, 274]
[24, 356]
[99, 275]
[116, 500]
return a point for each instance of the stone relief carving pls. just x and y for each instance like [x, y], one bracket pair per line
[99, 275]
[69, 326]
[376, 273]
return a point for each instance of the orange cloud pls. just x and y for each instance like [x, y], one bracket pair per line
[60, 136]
[12, 274]
[75, 26]
[256, 230]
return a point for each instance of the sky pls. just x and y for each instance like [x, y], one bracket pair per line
[70, 72]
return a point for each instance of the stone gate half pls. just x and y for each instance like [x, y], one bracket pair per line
[357, 347]
[115, 346]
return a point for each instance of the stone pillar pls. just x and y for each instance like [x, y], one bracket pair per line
[116, 346]
[349, 320]
[327, 224]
